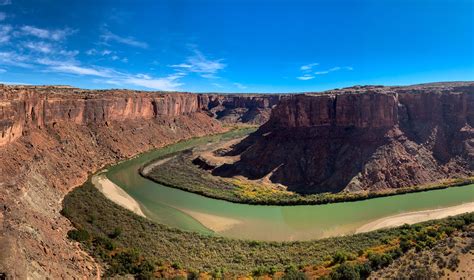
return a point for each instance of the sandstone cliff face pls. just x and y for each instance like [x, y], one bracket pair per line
[361, 110]
[51, 138]
[32, 107]
[368, 139]
[41, 106]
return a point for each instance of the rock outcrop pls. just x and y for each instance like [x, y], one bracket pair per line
[251, 109]
[363, 139]
[51, 138]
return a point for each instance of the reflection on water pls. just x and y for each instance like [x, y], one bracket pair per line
[161, 204]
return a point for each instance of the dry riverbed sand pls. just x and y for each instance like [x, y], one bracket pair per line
[119, 196]
[115, 193]
[416, 217]
[213, 222]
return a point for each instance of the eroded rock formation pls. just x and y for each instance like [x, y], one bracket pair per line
[252, 109]
[363, 139]
[51, 138]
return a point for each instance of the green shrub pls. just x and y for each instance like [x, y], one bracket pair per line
[78, 234]
[176, 265]
[294, 275]
[339, 257]
[345, 271]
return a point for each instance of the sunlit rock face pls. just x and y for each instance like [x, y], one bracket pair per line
[52, 138]
[363, 139]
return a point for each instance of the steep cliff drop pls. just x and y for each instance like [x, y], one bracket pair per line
[363, 139]
[251, 109]
[51, 138]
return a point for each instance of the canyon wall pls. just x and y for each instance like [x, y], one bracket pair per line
[40, 106]
[363, 139]
[52, 138]
[251, 109]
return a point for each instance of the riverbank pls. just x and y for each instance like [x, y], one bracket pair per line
[169, 252]
[416, 217]
[115, 193]
[181, 173]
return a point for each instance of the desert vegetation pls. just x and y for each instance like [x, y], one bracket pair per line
[129, 244]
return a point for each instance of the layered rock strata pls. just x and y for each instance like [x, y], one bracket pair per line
[363, 139]
[51, 138]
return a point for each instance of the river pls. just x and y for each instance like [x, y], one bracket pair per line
[188, 211]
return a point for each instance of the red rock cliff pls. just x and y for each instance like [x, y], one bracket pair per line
[363, 138]
[39, 107]
[51, 138]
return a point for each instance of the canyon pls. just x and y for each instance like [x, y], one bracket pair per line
[54, 137]
[363, 139]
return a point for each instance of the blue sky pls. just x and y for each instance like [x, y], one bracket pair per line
[235, 46]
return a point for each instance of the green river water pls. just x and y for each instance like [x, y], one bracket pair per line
[168, 205]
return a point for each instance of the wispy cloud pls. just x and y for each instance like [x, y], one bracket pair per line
[169, 83]
[305, 77]
[200, 64]
[308, 67]
[5, 2]
[337, 68]
[306, 71]
[308, 74]
[3, 16]
[14, 59]
[110, 54]
[5, 33]
[79, 70]
[40, 46]
[55, 35]
[108, 36]
[45, 50]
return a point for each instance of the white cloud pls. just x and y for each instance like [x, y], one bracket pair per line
[308, 67]
[308, 75]
[43, 50]
[55, 35]
[240, 86]
[169, 83]
[78, 70]
[201, 65]
[109, 36]
[305, 77]
[337, 68]
[5, 2]
[40, 46]
[14, 59]
[5, 31]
